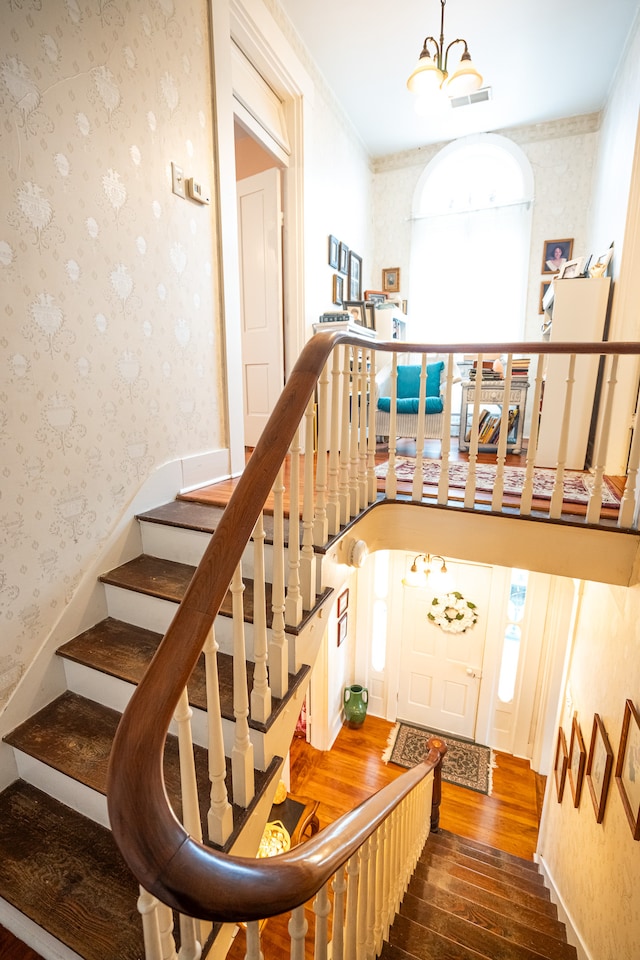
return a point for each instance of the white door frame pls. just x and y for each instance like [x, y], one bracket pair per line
[258, 35]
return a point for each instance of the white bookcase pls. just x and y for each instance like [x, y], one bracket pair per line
[579, 314]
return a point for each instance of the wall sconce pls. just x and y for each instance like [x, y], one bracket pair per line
[421, 573]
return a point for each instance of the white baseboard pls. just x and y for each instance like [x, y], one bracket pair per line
[204, 468]
[573, 937]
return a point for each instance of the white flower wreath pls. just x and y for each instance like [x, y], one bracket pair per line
[452, 612]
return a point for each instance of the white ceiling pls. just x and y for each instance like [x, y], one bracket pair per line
[542, 59]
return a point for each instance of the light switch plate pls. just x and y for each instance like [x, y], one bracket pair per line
[177, 180]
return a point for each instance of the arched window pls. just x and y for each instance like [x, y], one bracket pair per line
[470, 243]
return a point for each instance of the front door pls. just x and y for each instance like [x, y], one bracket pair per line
[440, 672]
[260, 254]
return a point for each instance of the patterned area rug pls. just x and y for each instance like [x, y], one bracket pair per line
[465, 764]
[577, 485]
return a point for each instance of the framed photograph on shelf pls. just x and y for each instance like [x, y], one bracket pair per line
[560, 764]
[555, 254]
[544, 286]
[355, 276]
[376, 296]
[599, 764]
[577, 761]
[599, 269]
[391, 279]
[628, 767]
[571, 269]
[333, 252]
[355, 308]
[338, 289]
[342, 629]
[343, 602]
[370, 314]
[343, 258]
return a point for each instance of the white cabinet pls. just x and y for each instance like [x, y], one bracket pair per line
[391, 323]
[579, 314]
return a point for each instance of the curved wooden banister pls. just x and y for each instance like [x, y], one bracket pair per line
[166, 861]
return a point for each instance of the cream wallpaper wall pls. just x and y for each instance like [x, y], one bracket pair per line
[109, 348]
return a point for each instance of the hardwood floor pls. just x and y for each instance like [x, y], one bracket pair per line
[353, 770]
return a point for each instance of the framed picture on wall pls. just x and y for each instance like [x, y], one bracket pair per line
[355, 276]
[333, 252]
[355, 309]
[370, 313]
[343, 602]
[577, 761]
[391, 279]
[338, 289]
[628, 767]
[599, 764]
[342, 629]
[343, 258]
[376, 296]
[555, 254]
[544, 286]
[560, 764]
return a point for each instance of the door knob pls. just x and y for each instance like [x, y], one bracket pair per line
[474, 672]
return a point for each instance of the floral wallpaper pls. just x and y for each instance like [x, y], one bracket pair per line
[110, 359]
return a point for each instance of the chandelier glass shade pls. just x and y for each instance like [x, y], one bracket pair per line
[431, 73]
[425, 571]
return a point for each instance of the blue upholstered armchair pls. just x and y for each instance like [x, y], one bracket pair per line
[408, 397]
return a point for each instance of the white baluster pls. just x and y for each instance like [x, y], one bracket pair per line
[445, 443]
[147, 908]
[501, 453]
[260, 692]
[351, 920]
[220, 815]
[307, 553]
[391, 485]
[532, 447]
[320, 522]
[372, 895]
[343, 482]
[557, 494]
[417, 487]
[297, 928]
[363, 899]
[253, 950]
[363, 407]
[321, 909]
[294, 600]
[242, 751]
[190, 948]
[470, 486]
[628, 513]
[595, 497]
[354, 425]
[372, 483]
[339, 886]
[333, 506]
[382, 883]
[278, 647]
[165, 926]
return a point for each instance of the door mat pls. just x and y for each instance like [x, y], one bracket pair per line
[577, 486]
[466, 764]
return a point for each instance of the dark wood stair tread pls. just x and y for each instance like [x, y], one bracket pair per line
[414, 940]
[168, 580]
[487, 900]
[500, 888]
[124, 650]
[458, 842]
[525, 869]
[533, 885]
[203, 517]
[74, 735]
[66, 874]
[484, 930]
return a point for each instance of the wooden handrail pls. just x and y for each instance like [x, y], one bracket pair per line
[166, 861]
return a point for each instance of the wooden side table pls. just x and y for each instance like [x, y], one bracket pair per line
[299, 815]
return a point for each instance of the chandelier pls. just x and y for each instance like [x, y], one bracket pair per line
[431, 74]
[424, 569]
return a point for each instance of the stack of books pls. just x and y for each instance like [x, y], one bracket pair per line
[488, 373]
[520, 367]
[489, 426]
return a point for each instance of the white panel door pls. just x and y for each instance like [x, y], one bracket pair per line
[260, 253]
[440, 672]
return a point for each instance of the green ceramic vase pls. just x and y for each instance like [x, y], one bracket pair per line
[356, 699]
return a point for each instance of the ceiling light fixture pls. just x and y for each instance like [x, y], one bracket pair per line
[440, 580]
[431, 75]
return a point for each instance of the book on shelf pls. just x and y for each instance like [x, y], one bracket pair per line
[489, 426]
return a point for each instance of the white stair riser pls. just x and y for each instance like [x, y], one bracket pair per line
[76, 795]
[188, 546]
[41, 942]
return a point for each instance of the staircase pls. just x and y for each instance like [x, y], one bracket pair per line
[64, 887]
[468, 901]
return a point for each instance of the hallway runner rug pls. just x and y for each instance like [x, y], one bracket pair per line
[466, 764]
[576, 487]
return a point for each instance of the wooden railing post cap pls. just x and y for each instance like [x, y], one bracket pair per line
[437, 743]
